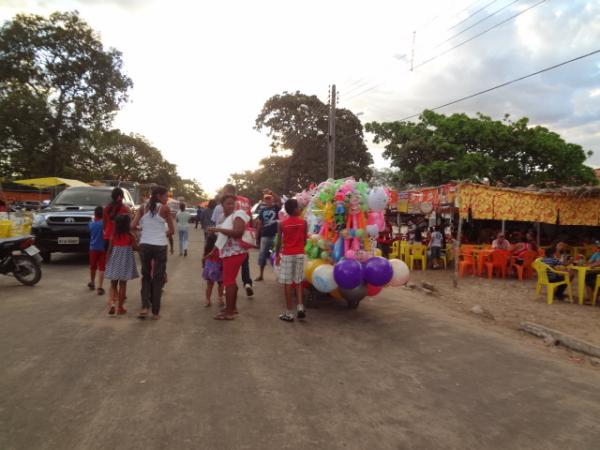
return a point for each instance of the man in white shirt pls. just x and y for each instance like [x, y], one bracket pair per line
[500, 243]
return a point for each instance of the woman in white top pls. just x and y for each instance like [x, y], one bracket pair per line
[233, 253]
[182, 218]
[153, 219]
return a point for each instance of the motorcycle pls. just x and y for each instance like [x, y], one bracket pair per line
[20, 257]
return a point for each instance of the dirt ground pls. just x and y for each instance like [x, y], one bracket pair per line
[511, 302]
[403, 371]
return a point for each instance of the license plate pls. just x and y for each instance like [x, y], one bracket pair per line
[32, 250]
[68, 240]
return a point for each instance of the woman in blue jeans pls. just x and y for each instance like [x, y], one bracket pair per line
[183, 218]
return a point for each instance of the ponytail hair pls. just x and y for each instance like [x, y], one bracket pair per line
[156, 191]
[114, 206]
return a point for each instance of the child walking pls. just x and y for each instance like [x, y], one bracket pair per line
[97, 251]
[292, 234]
[213, 269]
[120, 266]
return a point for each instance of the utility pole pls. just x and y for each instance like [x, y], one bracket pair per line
[331, 137]
[412, 54]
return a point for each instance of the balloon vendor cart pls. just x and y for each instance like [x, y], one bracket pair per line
[344, 218]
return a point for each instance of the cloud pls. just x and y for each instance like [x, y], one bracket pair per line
[563, 99]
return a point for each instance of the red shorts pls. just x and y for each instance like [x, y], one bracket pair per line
[231, 268]
[98, 260]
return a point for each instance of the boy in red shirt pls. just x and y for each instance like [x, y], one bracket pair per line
[292, 234]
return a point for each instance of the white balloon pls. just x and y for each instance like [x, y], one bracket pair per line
[322, 279]
[401, 273]
[377, 199]
[372, 230]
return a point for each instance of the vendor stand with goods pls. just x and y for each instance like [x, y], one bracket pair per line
[344, 220]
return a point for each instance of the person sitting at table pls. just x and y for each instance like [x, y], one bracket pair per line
[500, 243]
[551, 260]
[563, 253]
[531, 242]
[385, 240]
[593, 272]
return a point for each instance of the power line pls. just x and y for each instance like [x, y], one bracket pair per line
[564, 63]
[471, 15]
[477, 23]
[466, 8]
[487, 30]
[454, 47]
[362, 82]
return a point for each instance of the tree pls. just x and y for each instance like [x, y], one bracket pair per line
[442, 148]
[297, 125]
[54, 74]
[271, 174]
[190, 190]
[386, 177]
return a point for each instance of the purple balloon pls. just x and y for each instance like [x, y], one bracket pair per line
[378, 271]
[348, 273]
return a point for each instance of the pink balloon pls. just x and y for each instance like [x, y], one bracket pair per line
[350, 254]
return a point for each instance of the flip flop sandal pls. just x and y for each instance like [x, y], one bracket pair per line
[142, 315]
[101, 291]
[91, 286]
[111, 311]
[223, 317]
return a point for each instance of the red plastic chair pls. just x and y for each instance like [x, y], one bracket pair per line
[466, 261]
[525, 269]
[498, 263]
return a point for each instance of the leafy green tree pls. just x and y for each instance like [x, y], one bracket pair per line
[386, 177]
[191, 191]
[440, 148]
[298, 127]
[270, 175]
[56, 74]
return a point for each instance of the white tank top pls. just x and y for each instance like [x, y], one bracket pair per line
[154, 228]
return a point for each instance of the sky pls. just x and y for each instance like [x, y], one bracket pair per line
[203, 70]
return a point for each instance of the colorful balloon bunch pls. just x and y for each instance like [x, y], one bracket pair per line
[344, 219]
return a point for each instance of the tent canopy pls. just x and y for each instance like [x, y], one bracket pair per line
[42, 183]
[566, 206]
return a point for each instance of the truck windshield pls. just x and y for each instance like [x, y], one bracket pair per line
[87, 197]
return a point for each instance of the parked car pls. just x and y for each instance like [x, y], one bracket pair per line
[27, 205]
[63, 225]
[192, 213]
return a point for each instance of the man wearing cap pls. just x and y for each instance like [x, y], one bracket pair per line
[266, 229]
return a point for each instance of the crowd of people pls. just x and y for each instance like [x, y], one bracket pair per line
[228, 229]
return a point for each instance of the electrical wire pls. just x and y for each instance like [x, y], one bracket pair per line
[454, 47]
[477, 23]
[498, 86]
[472, 15]
[362, 82]
[487, 30]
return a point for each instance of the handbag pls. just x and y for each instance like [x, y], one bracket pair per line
[248, 239]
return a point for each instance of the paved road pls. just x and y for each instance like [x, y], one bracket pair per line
[393, 374]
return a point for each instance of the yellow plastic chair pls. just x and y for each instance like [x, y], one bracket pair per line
[395, 250]
[417, 253]
[542, 273]
[444, 259]
[404, 250]
[596, 289]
